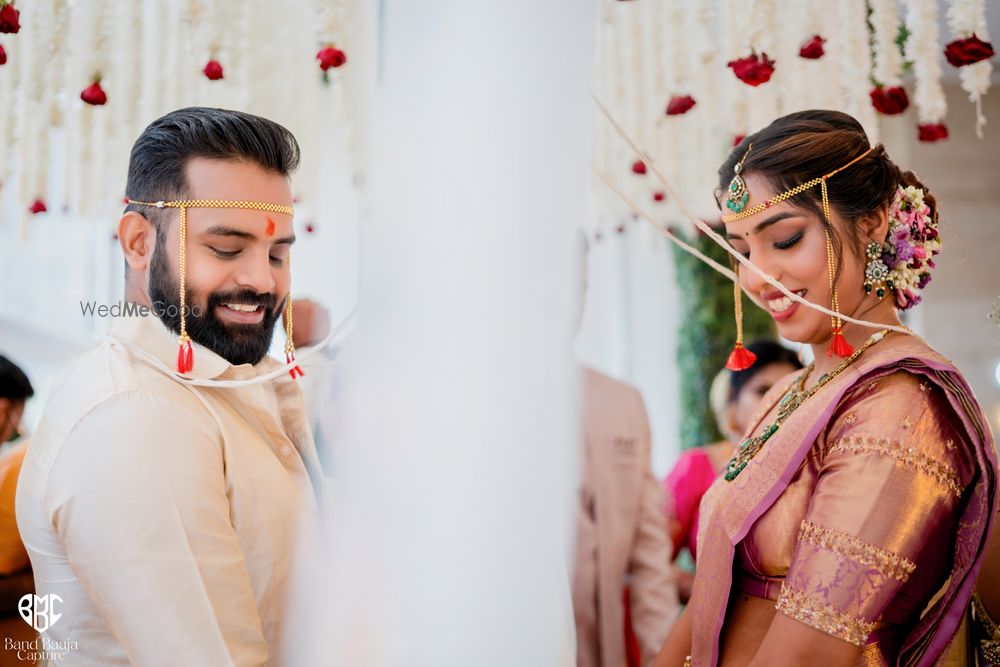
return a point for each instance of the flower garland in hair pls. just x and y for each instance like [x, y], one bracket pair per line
[923, 49]
[911, 246]
[967, 23]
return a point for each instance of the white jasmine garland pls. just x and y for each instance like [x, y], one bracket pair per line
[888, 66]
[855, 61]
[923, 49]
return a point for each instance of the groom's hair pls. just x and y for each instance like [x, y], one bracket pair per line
[157, 167]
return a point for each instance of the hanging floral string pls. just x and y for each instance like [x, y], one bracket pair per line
[923, 49]
[888, 96]
[970, 51]
[63, 70]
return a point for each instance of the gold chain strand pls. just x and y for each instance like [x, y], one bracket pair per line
[289, 345]
[738, 300]
[831, 271]
[794, 397]
[182, 269]
[777, 199]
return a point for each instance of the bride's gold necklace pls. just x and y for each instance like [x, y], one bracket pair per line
[794, 396]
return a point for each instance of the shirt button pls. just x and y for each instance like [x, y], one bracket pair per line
[286, 450]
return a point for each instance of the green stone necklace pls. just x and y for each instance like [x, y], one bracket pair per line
[794, 396]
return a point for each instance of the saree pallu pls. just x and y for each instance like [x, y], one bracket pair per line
[875, 498]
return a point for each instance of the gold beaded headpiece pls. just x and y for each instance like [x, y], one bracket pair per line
[185, 353]
[736, 201]
[740, 212]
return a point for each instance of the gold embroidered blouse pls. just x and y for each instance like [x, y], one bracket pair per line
[859, 542]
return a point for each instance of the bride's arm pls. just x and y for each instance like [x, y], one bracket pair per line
[678, 644]
[792, 644]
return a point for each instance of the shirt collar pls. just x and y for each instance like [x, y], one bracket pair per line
[149, 333]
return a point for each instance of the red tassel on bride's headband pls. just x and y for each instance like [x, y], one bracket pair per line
[740, 358]
[185, 357]
[839, 346]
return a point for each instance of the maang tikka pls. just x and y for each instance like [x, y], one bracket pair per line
[738, 196]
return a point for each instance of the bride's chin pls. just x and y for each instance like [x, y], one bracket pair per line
[801, 335]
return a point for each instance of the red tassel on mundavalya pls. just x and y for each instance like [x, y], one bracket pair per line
[289, 358]
[839, 346]
[185, 357]
[740, 358]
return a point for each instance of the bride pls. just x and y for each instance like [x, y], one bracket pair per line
[849, 526]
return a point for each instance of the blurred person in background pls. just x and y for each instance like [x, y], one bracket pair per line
[735, 397]
[624, 598]
[16, 578]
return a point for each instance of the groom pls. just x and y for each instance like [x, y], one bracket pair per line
[160, 508]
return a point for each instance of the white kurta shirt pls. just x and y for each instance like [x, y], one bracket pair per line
[166, 515]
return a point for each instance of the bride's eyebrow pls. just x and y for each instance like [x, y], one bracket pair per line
[761, 226]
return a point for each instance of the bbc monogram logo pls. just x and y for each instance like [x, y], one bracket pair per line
[40, 612]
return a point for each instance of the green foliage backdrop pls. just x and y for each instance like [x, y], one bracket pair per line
[706, 336]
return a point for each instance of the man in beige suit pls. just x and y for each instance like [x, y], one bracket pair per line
[621, 533]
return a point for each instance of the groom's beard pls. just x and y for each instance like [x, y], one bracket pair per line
[236, 343]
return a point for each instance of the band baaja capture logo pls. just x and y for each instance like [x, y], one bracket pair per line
[39, 612]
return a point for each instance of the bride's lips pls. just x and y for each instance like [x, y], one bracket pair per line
[780, 306]
[240, 313]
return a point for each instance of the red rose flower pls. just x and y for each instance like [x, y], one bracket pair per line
[94, 94]
[10, 20]
[680, 104]
[932, 132]
[754, 69]
[812, 49]
[659, 195]
[37, 206]
[330, 57]
[213, 70]
[3, 55]
[639, 167]
[968, 51]
[738, 139]
[310, 228]
[889, 101]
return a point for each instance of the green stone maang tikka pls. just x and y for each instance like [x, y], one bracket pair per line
[737, 197]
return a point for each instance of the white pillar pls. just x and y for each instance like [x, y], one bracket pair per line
[455, 444]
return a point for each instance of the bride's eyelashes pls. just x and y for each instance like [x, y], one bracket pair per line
[789, 242]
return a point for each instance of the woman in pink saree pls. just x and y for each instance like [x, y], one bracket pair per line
[736, 396]
[850, 526]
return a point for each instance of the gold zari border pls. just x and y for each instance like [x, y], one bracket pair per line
[941, 473]
[817, 614]
[848, 546]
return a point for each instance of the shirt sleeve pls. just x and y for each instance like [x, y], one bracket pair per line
[137, 494]
[891, 474]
